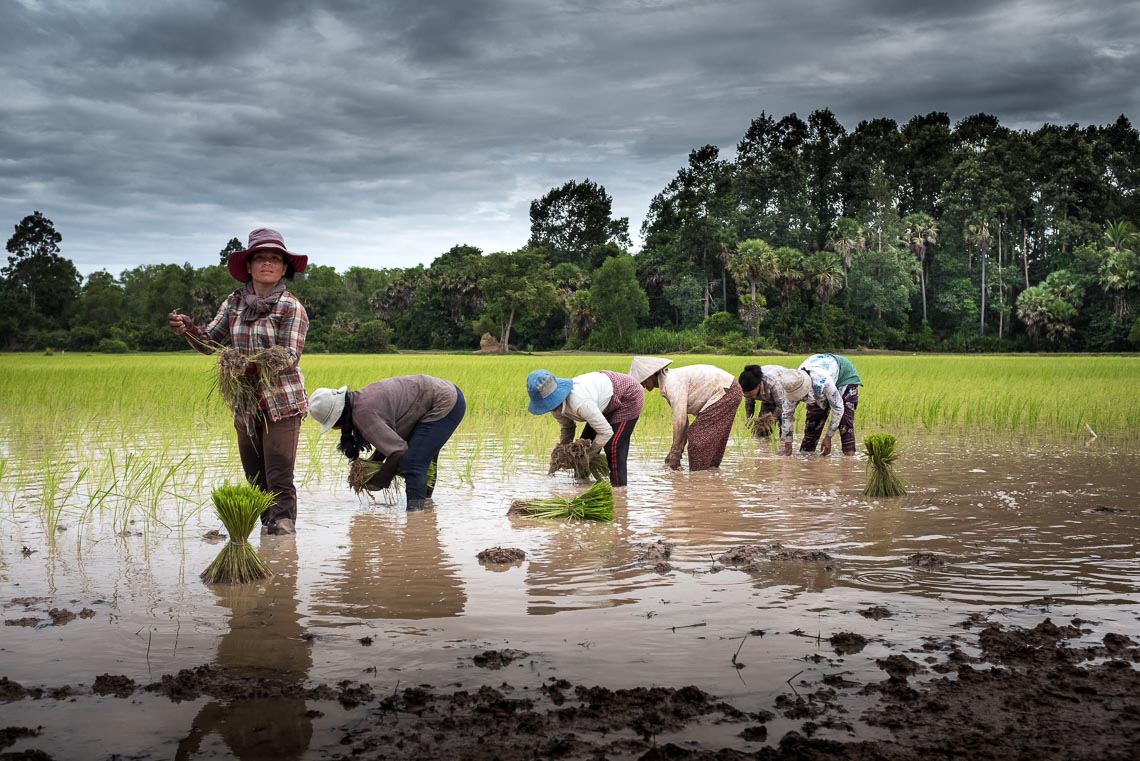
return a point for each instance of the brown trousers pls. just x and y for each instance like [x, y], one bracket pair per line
[268, 457]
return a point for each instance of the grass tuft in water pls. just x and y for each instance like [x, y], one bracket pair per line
[239, 508]
[881, 454]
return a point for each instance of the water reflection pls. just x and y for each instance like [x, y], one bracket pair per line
[264, 641]
[588, 564]
[393, 568]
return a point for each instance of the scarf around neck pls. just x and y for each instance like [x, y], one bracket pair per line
[256, 306]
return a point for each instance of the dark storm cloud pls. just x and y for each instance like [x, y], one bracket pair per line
[382, 133]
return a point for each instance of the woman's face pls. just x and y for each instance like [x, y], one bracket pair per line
[266, 267]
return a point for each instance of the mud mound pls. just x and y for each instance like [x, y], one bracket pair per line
[847, 643]
[501, 555]
[659, 550]
[109, 684]
[806, 556]
[496, 659]
[927, 561]
[875, 612]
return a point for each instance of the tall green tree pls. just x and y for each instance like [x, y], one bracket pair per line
[694, 218]
[927, 157]
[37, 276]
[232, 247]
[513, 283]
[921, 232]
[875, 147]
[979, 235]
[574, 219]
[822, 153]
[620, 302]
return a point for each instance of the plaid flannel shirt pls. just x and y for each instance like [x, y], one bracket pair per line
[286, 325]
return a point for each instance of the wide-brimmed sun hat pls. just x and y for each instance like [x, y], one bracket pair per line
[326, 406]
[263, 239]
[546, 392]
[642, 368]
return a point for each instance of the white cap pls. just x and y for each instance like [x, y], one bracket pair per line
[326, 406]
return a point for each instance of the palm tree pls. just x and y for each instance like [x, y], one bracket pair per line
[847, 238]
[789, 273]
[1121, 236]
[1119, 272]
[921, 232]
[752, 262]
[979, 236]
[823, 274]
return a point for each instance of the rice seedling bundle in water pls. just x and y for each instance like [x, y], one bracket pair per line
[595, 504]
[576, 457]
[362, 471]
[761, 425]
[238, 390]
[239, 507]
[881, 456]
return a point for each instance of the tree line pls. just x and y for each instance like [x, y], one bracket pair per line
[922, 236]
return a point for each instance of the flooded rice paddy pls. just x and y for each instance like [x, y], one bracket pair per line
[372, 595]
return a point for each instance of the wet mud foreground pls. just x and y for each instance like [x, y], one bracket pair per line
[1027, 693]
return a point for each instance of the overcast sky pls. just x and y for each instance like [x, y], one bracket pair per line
[380, 133]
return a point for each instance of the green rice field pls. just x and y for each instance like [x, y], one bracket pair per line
[52, 399]
[133, 435]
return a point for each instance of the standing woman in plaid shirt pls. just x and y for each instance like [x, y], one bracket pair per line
[258, 316]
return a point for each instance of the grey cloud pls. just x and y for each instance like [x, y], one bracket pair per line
[408, 117]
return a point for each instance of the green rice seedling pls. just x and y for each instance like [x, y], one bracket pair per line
[595, 504]
[54, 495]
[239, 508]
[881, 454]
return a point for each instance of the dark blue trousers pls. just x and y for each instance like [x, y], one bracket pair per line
[423, 449]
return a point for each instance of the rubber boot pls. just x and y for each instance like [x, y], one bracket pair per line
[415, 504]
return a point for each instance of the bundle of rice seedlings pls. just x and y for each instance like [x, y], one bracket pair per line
[272, 362]
[761, 425]
[576, 457]
[595, 504]
[238, 390]
[232, 383]
[239, 507]
[599, 468]
[883, 482]
[361, 471]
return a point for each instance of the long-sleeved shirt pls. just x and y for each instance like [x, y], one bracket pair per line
[386, 412]
[285, 325]
[768, 393]
[591, 394]
[830, 377]
[689, 390]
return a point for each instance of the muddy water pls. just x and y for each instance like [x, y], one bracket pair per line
[372, 594]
